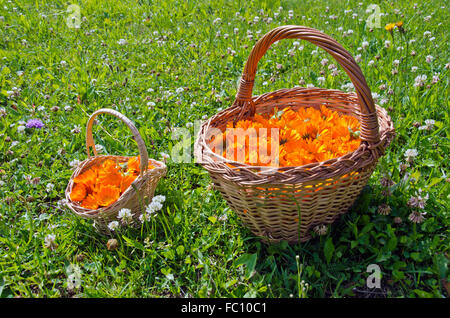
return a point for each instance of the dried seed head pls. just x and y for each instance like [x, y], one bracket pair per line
[112, 244]
[384, 209]
[398, 220]
[416, 217]
[320, 229]
[386, 182]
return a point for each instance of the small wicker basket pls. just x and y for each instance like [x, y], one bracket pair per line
[136, 197]
[287, 203]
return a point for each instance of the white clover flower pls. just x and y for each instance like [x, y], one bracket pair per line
[429, 122]
[151, 104]
[365, 44]
[321, 79]
[235, 30]
[375, 96]
[153, 207]
[159, 198]
[122, 42]
[49, 241]
[414, 69]
[20, 129]
[143, 218]
[61, 203]
[99, 148]
[164, 155]
[371, 63]
[348, 87]
[324, 62]
[125, 215]
[76, 129]
[396, 62]
[419, 81]
[435, 79]
[113, 225]
[63, 63]
[410, 154]
[49, 187]
[429, 58]
[387, 44]
[74, 163]
[429, 125]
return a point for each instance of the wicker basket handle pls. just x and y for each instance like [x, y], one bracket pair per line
[369, 120]
[137, 136]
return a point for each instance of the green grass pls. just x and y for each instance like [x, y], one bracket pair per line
[197, 247]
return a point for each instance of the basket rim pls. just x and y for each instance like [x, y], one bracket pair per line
[129, 193]
[203, 150]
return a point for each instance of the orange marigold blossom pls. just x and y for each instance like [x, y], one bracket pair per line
[306, 135]
[78, 192]
[127, 180]
[109, 174]
[103, 184]
[90, 202]
[88, 178]
[106, 194]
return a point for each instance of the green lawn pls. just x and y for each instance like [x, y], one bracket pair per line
[168, 64]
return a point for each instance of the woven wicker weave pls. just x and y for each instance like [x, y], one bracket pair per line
[136, 197]
[286, 203]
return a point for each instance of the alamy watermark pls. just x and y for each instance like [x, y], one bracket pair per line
[256, 146]
[374, 279]
[73, 20]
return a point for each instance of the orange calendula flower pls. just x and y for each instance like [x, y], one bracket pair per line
[127, 180]
[103, 184]
[78, 192]
[134, 165]
[109, 174]
[305, 136]
[90, 202]
[88, 178]
[106, 194]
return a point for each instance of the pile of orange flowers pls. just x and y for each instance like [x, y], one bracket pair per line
[101, 185]
[305, 136]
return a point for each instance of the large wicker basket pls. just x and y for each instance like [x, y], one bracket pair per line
[136, 197]
[288, 203]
